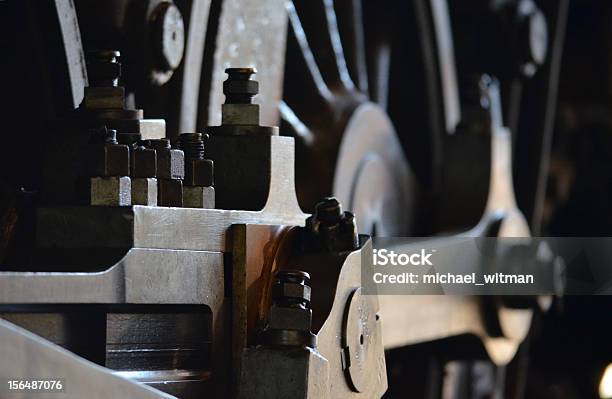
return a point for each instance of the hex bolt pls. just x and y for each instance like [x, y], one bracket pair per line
[329, 210]
[198, 170]
[111, 136]
[290, 317]
[170, 161]
[103, 68]
[293, 276]
[291, 288]
[144, 161]
[198, 190]
[159, 144]
[192, 145]
[348, 227]
[170, 173]
[169, 36]
[102, 135]
[331, 229]
[144, 171]
[108, 157]
[239, 88]
[109, 168]
[239, 114]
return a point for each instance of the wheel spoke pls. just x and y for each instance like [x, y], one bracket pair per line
[319, 19]
[306, 93]
[350, 25]
[378, 27]
[297, 127]
[379, 64]
[307, 57]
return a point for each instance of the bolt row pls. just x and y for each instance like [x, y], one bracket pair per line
[150, 172]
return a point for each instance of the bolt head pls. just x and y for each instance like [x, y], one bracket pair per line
[291, 292]
[289, 318]
[103, 68]
[170, 163]
[144, 162]
[109, 160]
[170, 192]
[293, 276]
[240, 73]
[158, 143]
[199, 172]
[329, 211]
[247, 87]
[103, 55]
[191, 137]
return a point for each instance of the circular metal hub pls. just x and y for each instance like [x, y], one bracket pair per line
[372, 175]
[359, 338]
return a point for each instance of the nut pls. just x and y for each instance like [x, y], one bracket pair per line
[240, 114]
[329, 211]
[331, 229]
[169, 192]
[110, 191]
[144, 162]
[290, 291]
[285, 318]
[291, 302]
[199, 172]
[250, 87]
[199, 197]
[290, 316]
[144, 191]
[170, 163]
[238, 88]
[110, 159]
[103, 68]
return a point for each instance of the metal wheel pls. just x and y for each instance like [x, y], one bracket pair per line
[334, 105]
